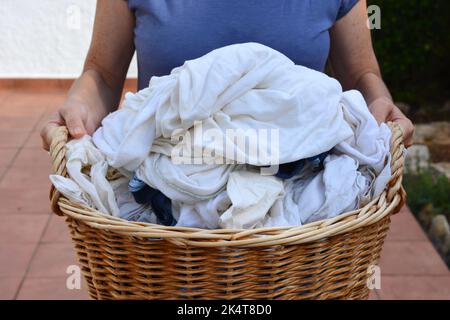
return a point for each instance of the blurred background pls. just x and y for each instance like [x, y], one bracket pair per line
[42, 48]
[413, 49]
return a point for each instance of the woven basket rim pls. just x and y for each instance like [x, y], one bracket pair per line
[390, 201]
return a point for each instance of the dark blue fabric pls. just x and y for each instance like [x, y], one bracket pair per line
[291, 169]
[161, 205]
[169, 32]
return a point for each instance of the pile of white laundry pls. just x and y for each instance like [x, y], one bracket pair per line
[182, 136]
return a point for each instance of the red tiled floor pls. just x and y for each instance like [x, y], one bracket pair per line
[4, 93]
[411, 258]
[415, 287]
[25, 104]
[52, 260]
[373, 295]
[50, 289]
[34, 140]
[410, 266]
[30, 176]
[15, 258]
[44, 119]
[18, 123]
[6, 155]
[57, 231]
[22, 228]
[405, 227]
[9, 287]
[24, 200]
[12, 138]
[37, 157]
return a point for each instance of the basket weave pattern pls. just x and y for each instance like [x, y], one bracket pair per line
[327, 259]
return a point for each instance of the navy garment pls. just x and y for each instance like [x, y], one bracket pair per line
[169, 32]
[291, 169]
[161, 205]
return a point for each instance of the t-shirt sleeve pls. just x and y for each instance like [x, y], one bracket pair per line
[345, 7]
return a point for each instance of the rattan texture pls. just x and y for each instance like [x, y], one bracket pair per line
[328, 259]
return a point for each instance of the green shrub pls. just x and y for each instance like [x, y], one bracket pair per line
[413, 49]
[428, 187]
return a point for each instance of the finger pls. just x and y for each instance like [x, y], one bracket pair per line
[46, 132]
[408, 131]
[406, 126]
[73, 122]
[380, 112]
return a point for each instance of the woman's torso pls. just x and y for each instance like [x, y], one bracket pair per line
[169, 32]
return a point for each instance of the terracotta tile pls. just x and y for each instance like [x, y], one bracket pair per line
[37, 85]
[50, 289]
[12, 138]
[22, 228]
[415, 287]
[22, 108]
[30, 176]
[20, 111]
[46, 116]
[24, 200]
[14, 259]
[373, 295]
[51, 260]
[18, 123]
[23, 103]
[4, 93]
[2, 171]
[57, 231]
[9, 287]
[36, 157]
[34, 140]
[411, 258]
[404, 226]
[6, 155]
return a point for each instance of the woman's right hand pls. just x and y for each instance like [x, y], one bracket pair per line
[77, 117]
[97, 91]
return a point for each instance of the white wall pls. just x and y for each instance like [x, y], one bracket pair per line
[46, 38]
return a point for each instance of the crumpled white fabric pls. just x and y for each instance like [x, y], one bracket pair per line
[252, 195]
[129, 209]
[203, 214]
[94, 190]
[97, 191]
[244, 86]
[321, 196]
[71, 190]
[370, 142]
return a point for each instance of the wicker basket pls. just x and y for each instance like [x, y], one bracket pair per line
[328, 259]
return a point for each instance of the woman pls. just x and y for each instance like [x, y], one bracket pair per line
[165, 33]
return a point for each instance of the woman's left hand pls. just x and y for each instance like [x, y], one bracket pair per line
[384, 110]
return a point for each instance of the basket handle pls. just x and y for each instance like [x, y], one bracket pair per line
[397, 165]
[58, 137]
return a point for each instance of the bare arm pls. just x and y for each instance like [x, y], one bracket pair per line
[97, 91]
[354, 64]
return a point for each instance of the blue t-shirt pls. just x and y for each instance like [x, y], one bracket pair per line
[169, 32]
